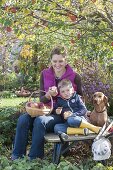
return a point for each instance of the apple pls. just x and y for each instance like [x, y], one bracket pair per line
[47, 106]
[72, 17]
[112, 44]
[33, 1]
[93, 1]
[41, 105]
[33, 105]
[72, 41]
[13, 10]
[78, 36]
[36, 105]
[8, 29]
[29, 104]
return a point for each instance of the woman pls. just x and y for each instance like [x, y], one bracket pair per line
[43, 124]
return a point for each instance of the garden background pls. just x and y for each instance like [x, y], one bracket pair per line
[29, 29]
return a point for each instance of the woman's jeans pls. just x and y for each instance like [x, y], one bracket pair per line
[40, 126]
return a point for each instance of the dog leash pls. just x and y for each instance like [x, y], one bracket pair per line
[103, 131]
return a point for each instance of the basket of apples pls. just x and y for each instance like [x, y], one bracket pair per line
[23, 93]
[34, 108]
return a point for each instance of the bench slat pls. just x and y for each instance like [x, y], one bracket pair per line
[51, 137]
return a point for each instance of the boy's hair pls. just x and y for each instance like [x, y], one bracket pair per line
[59, 50]
[64, 83]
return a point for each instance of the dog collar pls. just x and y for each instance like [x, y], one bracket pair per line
[101, 111]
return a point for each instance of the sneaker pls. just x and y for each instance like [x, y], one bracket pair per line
[14, 157]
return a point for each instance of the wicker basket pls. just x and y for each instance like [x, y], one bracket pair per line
[33, 112]
[20, 94]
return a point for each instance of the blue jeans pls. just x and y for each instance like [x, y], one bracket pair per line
[72, 121]
[40, 126]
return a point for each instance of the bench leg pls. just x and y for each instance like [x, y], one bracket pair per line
[57, 153]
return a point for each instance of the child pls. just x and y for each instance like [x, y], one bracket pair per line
[72, 109]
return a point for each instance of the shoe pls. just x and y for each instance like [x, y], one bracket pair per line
[14, 157]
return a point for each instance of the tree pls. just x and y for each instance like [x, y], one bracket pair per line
[84, 26]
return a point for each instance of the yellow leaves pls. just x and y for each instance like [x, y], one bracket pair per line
[67, 3]
[81, 1]
[22, 65]
[46, 29]
[93, 6]
[21, 37]
[99, 6]
[27, 51]
[26, 11]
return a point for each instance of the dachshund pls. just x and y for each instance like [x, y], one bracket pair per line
[99, 115]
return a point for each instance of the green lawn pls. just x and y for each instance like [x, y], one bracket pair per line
[8, 102]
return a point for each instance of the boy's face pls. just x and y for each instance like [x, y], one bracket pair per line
[66, 92]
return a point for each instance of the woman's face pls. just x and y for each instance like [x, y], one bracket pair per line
[58, 63]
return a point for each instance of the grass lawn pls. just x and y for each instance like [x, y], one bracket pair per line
[10, 102]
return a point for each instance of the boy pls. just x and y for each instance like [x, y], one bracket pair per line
[72, 109]
[69, 103]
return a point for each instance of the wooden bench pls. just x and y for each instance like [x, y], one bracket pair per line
[59, 143]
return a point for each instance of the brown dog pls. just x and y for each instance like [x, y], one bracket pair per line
[99, 115]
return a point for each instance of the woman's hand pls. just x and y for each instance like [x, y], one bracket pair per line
[67, 114]
[53, 91]
[59, 110]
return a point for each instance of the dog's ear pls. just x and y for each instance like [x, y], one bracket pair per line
[106, 100]
[92, 99]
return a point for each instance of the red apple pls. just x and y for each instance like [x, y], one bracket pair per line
[29, 104]
[41, 105]
[8, 29]
[13, 10]
[33, 1]
[72, 41]
[78, 36]
[112, 44]
[47, 106]
[72, 17]
[32, 105]
[36, 105]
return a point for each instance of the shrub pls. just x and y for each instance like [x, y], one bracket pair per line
[7, 94]
[8, 120]
[96, 77]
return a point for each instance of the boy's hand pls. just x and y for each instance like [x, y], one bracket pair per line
[88, 113]
[67, 114]
[58, 110]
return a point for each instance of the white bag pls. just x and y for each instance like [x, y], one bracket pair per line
[101, 147]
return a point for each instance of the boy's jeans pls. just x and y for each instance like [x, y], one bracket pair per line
[72, 121]
[40, 125]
